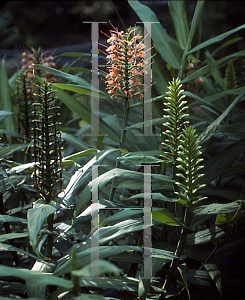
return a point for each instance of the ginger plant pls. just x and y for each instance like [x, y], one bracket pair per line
[47, 151]
[183, 152]
[125, 56]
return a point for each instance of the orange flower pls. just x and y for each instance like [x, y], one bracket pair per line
[125, 56]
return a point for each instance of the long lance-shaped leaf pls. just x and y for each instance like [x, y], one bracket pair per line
[167, 46]
[32, 276]
[194, 23]
[82, 111]
[216, 39]
[218, 164]
[103, 179]
[211, 130]
[64, 75]
[179, 19]
[204, 70]
[82, 177]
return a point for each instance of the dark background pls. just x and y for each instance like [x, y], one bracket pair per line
[59, 24]
[53, 24]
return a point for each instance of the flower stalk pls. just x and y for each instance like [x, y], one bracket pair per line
[47, 151]
[125, 56]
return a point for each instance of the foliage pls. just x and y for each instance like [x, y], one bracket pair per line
[192, 191]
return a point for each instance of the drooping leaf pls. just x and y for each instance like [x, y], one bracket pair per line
[82, 111]
[215, 275]
[104, 268]
[6, 218]
[164, 216]
[14, 235]
[75, 142]
[32, 276]
[65, 75]
[36, 217]
[8, 150]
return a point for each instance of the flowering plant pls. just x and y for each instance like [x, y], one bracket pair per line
[125, 63]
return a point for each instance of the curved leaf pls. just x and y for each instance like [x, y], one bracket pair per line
[216, 39]
[167, 46]
[32, 276]
[36, 217]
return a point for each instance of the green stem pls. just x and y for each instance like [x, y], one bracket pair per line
[121, 143]
[177, 254]
[50, 221]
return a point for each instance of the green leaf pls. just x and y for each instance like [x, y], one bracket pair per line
[232, 128]
[11, 236]
[164, 216]
[180, 22]
[118, 283]
[216, 39]
[103, 179]
[32, 276]
[89, 297]
[5, 184]
[12, 219]
[167, 46]
[160, 75]
[65, 75]
[215, 275]
[194, 22]
[204, 70]
[139, 159]
[4, 114]
[217, 208]
[6, 100]
[84, 256]
[81, 154]
[8, 150]
[154, 196]
[11, 133]
[219, 163]
[75, 142]
[6, 176]
[82, 111]
[36, 216]
[104, 267]
[7, 247]
[83, 90]
[75, 54]
[82, 176]
[211, 129]
[182, 270]
[204, 236]
[215, 72]
[36, 289]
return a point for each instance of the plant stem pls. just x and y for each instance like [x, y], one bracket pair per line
[50, 221]
[177, 254]
[121, 143]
